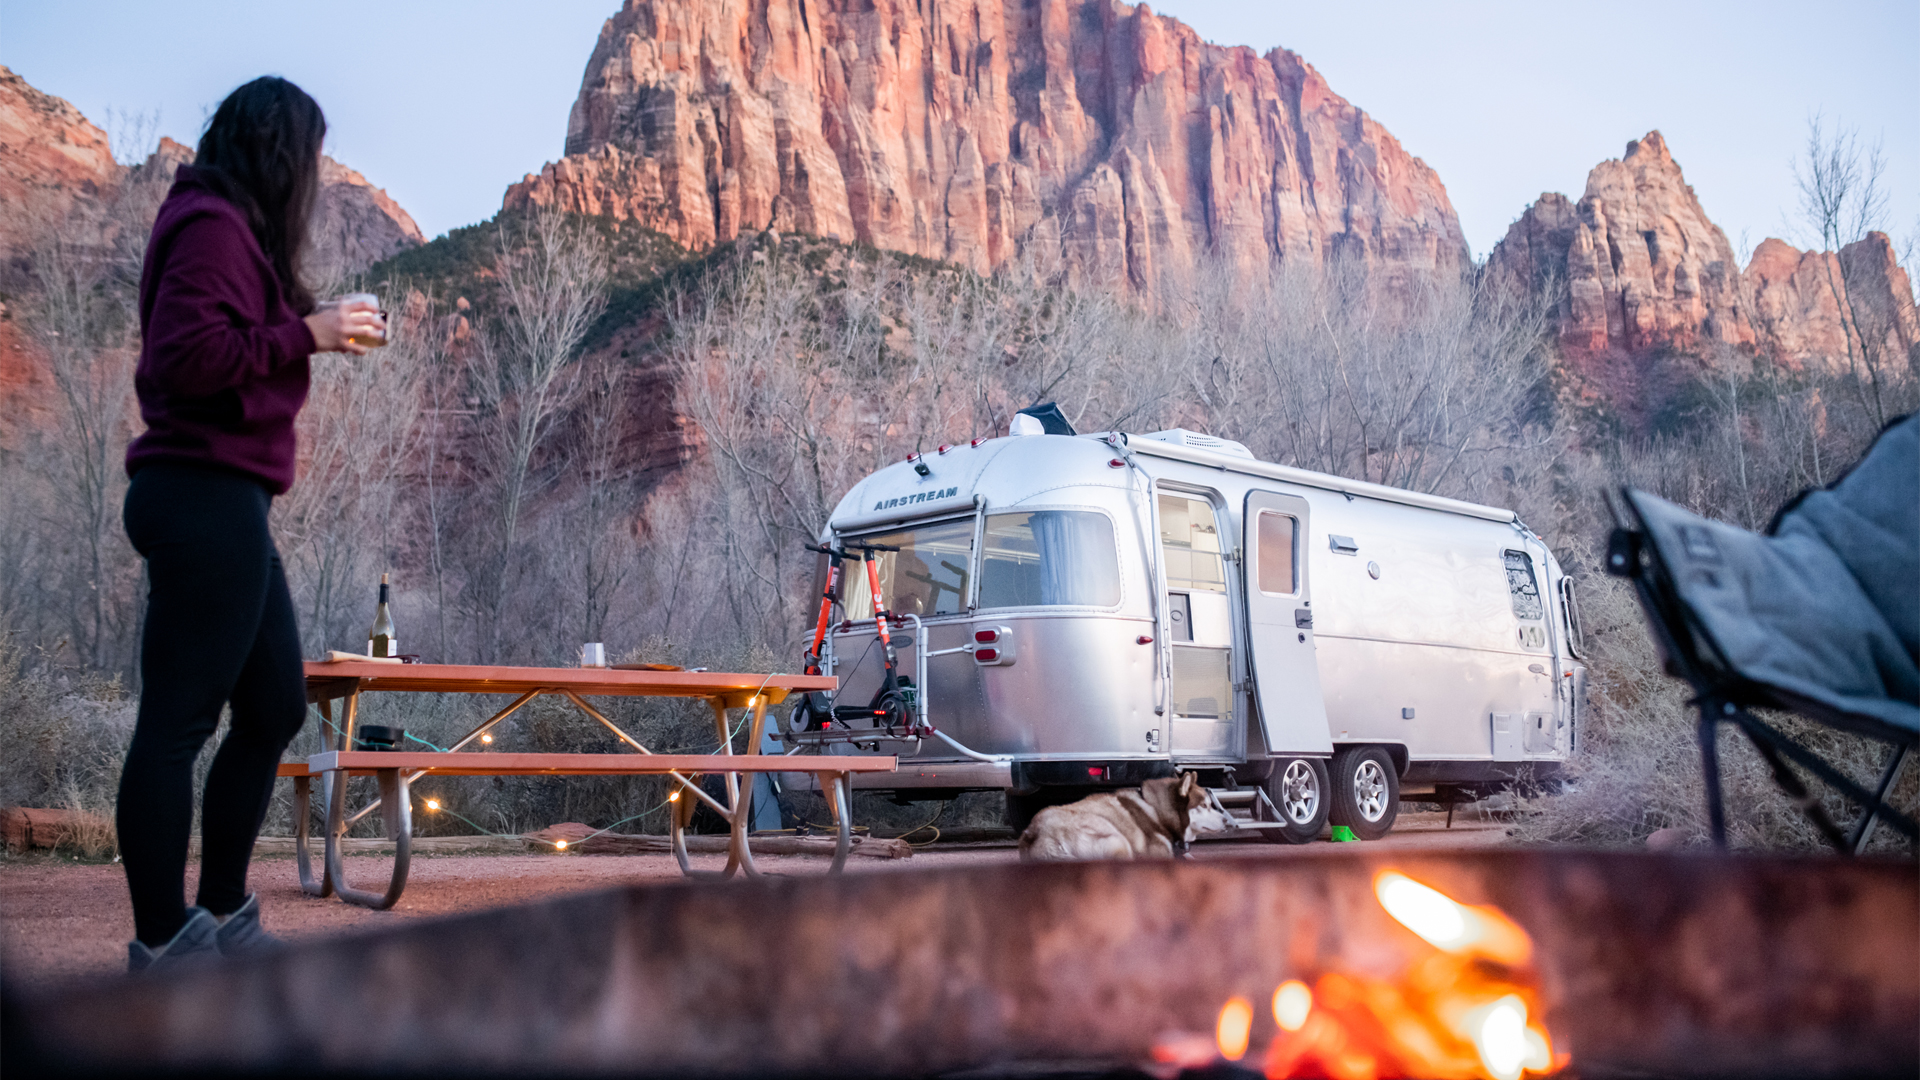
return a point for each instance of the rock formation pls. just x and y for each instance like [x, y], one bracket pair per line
[1639, 263]
[1081, 134]
[55, 163]
[1644, 276]
[357, 224]
[50, 156]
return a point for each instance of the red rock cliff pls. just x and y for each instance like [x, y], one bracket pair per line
[1084, 134]
[1644, 271]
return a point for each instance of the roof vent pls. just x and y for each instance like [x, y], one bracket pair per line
[1197, 441]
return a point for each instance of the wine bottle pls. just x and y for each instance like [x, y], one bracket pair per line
[380, 639]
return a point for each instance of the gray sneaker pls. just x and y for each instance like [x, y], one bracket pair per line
[191, 946]
[240, 933]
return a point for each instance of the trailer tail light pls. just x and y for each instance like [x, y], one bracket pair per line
[993, 646]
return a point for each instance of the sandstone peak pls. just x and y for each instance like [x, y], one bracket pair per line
[1645, 275]
[1090, 136]
[1641, 264]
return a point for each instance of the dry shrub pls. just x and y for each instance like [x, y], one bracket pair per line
[1638, 769]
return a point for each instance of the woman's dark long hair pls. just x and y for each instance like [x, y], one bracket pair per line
[261, 152]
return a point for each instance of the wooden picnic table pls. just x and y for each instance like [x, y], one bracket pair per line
[395, 770]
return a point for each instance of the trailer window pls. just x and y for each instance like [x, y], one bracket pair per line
[927, 576]
[1049, 558]
[1191, 540]
[1274, 549]
[1522, 588]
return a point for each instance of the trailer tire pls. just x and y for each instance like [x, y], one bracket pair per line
[1366, 791]
[1299, 789]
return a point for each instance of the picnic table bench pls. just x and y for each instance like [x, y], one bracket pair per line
[395, 770]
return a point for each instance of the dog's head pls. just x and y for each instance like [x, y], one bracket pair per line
[1174, 800]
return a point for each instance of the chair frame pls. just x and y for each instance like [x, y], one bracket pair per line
[1723, 696]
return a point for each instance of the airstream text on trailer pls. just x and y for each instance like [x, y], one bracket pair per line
[1076, 612]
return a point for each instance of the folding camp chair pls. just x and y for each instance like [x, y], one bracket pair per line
[1820, 616]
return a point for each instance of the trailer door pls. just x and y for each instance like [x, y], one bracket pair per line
[1286, 674]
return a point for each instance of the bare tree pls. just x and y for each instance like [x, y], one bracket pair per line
[348, 518]
[1842, 199]
[86, 332]
[552, 272]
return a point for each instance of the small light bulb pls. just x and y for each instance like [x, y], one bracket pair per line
[675, 796]
[488, 739]
[433, 804]
[560, 845]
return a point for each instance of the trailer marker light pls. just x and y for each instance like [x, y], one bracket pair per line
[986, 637]
[1094, 771]
[1116, 463]
[1143, 639]
[986, 656]
[975, 443]
[944, 447]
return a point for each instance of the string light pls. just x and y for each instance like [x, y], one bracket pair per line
[433, 804]
[488, 739]
[559, 845]
[675, 796]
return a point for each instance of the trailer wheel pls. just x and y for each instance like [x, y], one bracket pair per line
[1366, 791]
[1298, 789]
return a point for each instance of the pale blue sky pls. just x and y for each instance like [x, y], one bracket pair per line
[444, 104]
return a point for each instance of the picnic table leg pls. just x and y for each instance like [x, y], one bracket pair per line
[838, 788]
[302, 816]
[302, 861]
[396, 812]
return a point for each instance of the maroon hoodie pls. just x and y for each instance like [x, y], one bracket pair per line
[223, 354]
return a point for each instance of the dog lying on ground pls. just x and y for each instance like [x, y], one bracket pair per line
[1154, 822]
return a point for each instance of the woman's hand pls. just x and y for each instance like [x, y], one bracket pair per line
[335, 325]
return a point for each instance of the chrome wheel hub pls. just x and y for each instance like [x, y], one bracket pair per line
[1370, 791]
[1299, 793]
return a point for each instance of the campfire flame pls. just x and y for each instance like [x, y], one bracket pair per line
[1466, 1011]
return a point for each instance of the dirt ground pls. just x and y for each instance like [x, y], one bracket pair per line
[63, 919]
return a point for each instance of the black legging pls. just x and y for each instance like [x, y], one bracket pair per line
[220, 628]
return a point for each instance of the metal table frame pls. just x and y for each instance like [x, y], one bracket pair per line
[396, 770]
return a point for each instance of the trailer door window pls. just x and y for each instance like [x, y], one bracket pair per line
[1275, 554]
[927, 576]
[1191, 540]
[1049, 558]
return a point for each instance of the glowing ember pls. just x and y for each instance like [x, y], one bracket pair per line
[1462, 1012]
[1501, 1037]
[1234, 1028]
[1291, 1004]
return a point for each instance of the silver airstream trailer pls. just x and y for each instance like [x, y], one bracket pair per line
[1080, 612]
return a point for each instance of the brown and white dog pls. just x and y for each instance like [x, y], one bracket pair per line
[1150, 823]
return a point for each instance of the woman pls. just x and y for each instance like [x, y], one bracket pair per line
[227, 327]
